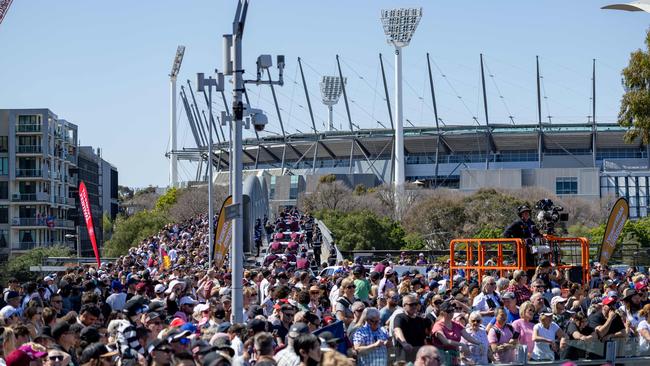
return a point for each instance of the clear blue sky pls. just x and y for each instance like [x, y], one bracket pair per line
[104, 64]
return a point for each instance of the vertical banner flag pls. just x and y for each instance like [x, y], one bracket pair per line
[85, 207]
[615, 223]
[223, 235]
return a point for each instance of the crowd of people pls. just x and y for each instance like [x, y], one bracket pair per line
[163, 304]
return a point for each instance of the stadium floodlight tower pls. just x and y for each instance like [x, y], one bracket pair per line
[330, 90]
[173, 159]
[399, 26]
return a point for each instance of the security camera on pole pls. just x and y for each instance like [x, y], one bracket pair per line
[201, 84]
[241, 114]
[399, 26]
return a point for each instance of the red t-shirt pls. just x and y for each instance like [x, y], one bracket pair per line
[453, 334]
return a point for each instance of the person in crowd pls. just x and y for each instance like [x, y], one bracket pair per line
[307, 348]
[478, 354]
[447, 335]
[344, 303]
[289, 356]
[488, 300]
[371, 340]
[524, 326]
[410, 330]
[518, 286]
[579, 330]
[607, 323]
[503, 339]
[545, 337]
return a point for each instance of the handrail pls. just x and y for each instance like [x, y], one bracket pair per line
[329, 241]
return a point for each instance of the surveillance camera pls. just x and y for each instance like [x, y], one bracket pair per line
[264, 61]
[258, 119]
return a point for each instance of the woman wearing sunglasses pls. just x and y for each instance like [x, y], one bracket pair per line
[447, 335]
[478, 354]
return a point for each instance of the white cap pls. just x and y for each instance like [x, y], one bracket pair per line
[48, 278]
[7, 312]
[186, 300]
[159, 288]
[201, 308]
[173, 284]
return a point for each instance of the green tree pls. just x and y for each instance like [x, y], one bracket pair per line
[167, 200]
[363, 230]
[107, 225]
[129, 231]
[18, 267]
[635, 104]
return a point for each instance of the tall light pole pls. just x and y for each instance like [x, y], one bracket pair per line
[331, 88]
[201, 84]
[173, 159]
[399, 26]
[232, 59]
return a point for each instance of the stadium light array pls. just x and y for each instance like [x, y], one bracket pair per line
[331, 88]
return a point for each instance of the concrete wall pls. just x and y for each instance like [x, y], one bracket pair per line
[588, 179]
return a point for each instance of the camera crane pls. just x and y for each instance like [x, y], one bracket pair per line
[4, 7]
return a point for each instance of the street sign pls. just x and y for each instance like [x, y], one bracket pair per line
[233, 211]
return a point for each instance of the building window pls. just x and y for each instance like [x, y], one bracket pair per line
[272, 189]
[4, 214]
[4, 190]
[566, 185]
[4, 144]
[293, 189]
[4, 166]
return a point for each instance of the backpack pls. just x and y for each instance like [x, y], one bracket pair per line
[497, 331]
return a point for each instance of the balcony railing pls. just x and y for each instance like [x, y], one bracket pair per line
[30, 197]
[71, 201]
[29, 173]
[60, 200]
[34, 244]
[43, 221]
[72, 159]
[29, 149]
[28, 127]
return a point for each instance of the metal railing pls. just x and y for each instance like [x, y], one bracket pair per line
[28, 127]
[29, 173]
[328, 244]
[30, 197]
[29, 149]
[72, 159]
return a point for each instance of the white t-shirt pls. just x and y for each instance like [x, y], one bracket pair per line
[542, 351]
[643, 343]
[117, 301]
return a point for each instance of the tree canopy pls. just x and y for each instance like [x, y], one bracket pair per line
[635, 103]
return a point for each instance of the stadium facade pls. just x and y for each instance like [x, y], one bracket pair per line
[585, 160]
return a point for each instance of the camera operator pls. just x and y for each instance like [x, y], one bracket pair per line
[526, 229]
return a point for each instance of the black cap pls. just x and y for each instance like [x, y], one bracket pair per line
[155, 344]
[298, 329]
[545, 263]
[93, 352]
[134, 306]
[89, 334]
[257, 325]
[59, 328]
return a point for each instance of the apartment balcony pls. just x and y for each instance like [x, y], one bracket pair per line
[72, 159]
[30, 197]
[33, 244]
[29, 149]
[42, 222]
[71, 201]
[29, 173]
[73, 181]
[28, 128]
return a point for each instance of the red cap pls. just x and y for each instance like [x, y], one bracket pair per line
[640, 286]
[609, 300]
[140, 286]
[177, 322]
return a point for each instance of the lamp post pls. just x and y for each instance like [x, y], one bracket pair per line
[201, 84]
[173, 159]
[331, 88]
[399, 26]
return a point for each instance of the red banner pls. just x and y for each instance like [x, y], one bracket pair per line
[85, 207]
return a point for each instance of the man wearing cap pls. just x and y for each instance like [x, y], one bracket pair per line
[186, 305]
[386, 282]
[65, 339]
[561, 316]
[362, 289]
[288, 356]
[118, 298]
[526, 229]
[154, 323]
[607, 322]
[158, 353]
[287, 312]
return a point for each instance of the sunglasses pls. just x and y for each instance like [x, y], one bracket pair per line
[411, 304]
[437, 302]
[56, 358]
[352, 286]
[373, 321]
[474, 321]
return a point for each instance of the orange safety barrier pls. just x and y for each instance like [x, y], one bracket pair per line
[503, 255]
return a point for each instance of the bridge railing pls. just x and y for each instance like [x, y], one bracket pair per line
[328, 244]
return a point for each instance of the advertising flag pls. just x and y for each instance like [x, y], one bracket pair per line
[85, 207]
[615, 224]
[223, 235]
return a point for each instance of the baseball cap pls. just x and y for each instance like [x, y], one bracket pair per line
[186, 300]
[177, 322]
[508, 295]
[639, 286]
[388, 271]
[557, 299]
[10, 295]
[298, 329]
[609, 300]
[8, 311]
[257, 325]
[160, 288]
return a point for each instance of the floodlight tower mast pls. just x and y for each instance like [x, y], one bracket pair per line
[4, 8]
[330, 90]
[399, 26]
[173, 159]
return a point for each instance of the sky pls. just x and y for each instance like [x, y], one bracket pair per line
[104, 65]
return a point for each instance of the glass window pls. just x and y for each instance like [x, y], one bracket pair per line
[4, 166]
[293, 190]
[4, 144]
[566, 185]
[272, 189]
[4, 190]
[4, 214]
